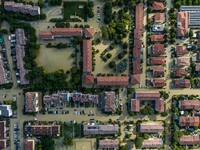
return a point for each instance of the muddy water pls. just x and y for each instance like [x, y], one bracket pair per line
[53, 59]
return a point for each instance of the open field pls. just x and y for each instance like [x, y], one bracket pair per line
[74, 9]
[53, 59]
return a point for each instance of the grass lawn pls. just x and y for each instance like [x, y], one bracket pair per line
[68, 130]
[72, 8]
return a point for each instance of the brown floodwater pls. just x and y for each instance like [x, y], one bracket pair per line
[53, 59]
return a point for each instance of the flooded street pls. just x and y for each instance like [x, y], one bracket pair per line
[53, 59]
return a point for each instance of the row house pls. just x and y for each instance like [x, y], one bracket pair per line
[91, 129]
[158, 6]
[181, 83]
[31, 102]
[42, 130]
[108, 144]
[112, 81]
[180, 51]
[3, 140]
[158, 49]
[188, 121]
[181, 72]
[189, 104]
[189, 140]
[182, 24]
[182, 61]
[139, 26]
[21, 8]
[158, 83]
[151, 127]
[66, 32]
[157, 71]
[29, 144]
[108, 102]
[152, 143]
[83, 98]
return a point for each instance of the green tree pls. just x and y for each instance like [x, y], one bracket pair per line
[112, 64]
[109, 55]
[191, 34]
[138, 142]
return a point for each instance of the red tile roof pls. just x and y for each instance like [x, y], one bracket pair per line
[153, 143]
[136, 56]
[182, 83]
[159, 17]
[110, 101]
[113, 81]
[182, 21]
[29, 145]
[3, 144]
[188, 121]
[139, 13]
[198, 43]
[89, 79]
[66, 32]
[2, 129]
[160, 105]
[158, 6]
[45, 130]
[45, 35]
[158, 49]
[149, 127]
[182, 61]
[87, 55]
[158, 71]
[138, 33]
[108, 144]
[135, 105]
[157, 60]
[31, 102]
[190, 104]
[159, 83]
[197, 67]
[157, 38]
[147, 95]
[89, 32]
[189, 140]
[180, 51]
[180, 72]
[135, 79]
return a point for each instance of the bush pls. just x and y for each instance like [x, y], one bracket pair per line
[121, 55]
[138, 142]
[164, 114]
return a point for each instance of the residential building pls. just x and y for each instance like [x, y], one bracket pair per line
[89, 32]
[189, 140]
[180, 72]
[158, 6]
[108, 102]
[158, 71]
[189, 104]
[182, 24]
[151, 127]
[20, 54]
[84, 98]
[158, 49]
[181, 83]
[188, 121]
[159, 17]
[159, 83]
[31, 102]
[87, 56]
[139, 26]
[22, 8]
[180, 51]
[157, 38]
[46, 35]
[100, 129]
[3, 140]
[109, 144]
[29, 144]
[42, 130]
[193, 15]
[197, 68]
[135, 105]
[160, 106]
[157, 60]
[6, 111]
[157, 28]
[152, 143]
[3, 79]
[112, 81]
[147, 95]
[182, 61]
[89, 79]
[66, 32]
